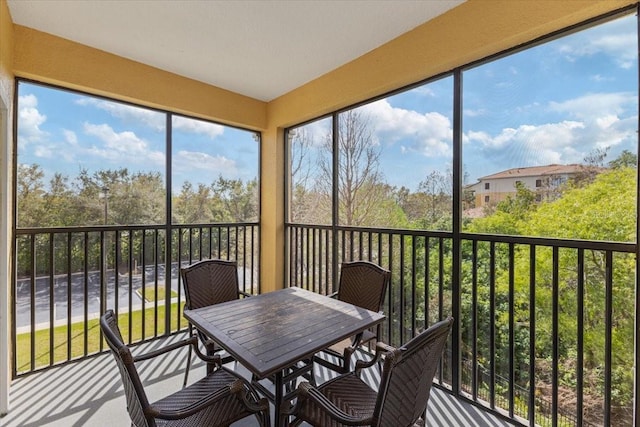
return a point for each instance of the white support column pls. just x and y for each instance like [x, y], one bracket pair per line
[5, 256]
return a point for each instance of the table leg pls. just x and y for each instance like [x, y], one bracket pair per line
[210, 350]
[278, 395]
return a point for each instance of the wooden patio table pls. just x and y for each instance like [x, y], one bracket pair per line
[270, 333]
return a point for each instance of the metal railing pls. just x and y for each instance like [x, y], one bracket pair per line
[553, 317]
[66, 277]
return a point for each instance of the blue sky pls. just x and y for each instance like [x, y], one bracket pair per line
[65, 132]
[554, 103]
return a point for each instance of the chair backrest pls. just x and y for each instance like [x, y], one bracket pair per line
[137, 400]
[209, 282]
[407, 375]
[364, 284]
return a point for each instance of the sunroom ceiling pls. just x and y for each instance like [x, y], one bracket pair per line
[261, 48]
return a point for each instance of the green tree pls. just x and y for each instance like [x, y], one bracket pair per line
[192, 206]
[32, 209]
[237, 200]
[626, 159]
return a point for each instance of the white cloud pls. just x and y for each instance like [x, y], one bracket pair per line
[314, 133]
[468, 112]
[614, 39]
[567, 141]
[43, 151]
[424, 90]
[598, 78]
[212, 130]
[429, 134]
[592, 106]
[153, 119]
[70, 136]
[186, 161]
[123, 146]
[30, 120]
[128, 113]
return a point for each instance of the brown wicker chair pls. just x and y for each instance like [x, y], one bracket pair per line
[218, 399]
[364, 284]
[209, 282]
[401, 399]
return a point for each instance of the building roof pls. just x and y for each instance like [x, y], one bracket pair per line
[536, 171]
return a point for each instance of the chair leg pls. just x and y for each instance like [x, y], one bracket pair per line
[312, 375]
[186, 371]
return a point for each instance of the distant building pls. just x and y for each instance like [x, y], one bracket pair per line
[543, 180]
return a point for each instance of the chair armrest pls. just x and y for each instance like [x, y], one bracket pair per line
[165, 349]
[238, 388]
[381, 348]
[176, 345]
[308, 392]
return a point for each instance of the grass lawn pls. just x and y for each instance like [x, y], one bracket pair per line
[150, 296]
[65, 349]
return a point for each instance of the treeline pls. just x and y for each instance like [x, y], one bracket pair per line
[119, 197]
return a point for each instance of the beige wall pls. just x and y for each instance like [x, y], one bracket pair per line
[41, 56]
[474, 30]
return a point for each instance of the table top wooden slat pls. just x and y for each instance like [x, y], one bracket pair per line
[269, 332]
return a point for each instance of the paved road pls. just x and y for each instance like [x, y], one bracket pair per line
[77, 290]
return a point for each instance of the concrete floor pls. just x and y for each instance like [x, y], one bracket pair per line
[89, 393]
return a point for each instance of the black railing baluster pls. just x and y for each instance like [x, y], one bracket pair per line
[401, 296]
[132, 271]
[492, 327]
[156, 260]
[555, 338]
[414, 294]
[532, 336]
[69, 294]
[86, 294]
[494, 290]
[474, 320]
[512, 341]
[52, 299]
[580, 339]
[608, 330]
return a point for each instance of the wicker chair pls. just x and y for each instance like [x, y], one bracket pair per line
[209, 282]
[364, 284]
[218, 399]
[401, 399]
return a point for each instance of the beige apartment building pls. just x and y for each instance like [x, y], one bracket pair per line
[544, 180]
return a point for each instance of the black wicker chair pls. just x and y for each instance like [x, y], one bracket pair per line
[364, 284]
[218, 399]
[401, 399]
[209, 282]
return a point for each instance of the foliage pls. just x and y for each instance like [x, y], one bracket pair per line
[604, 210]
[626, 159]
[118, 197]
[601, 210]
